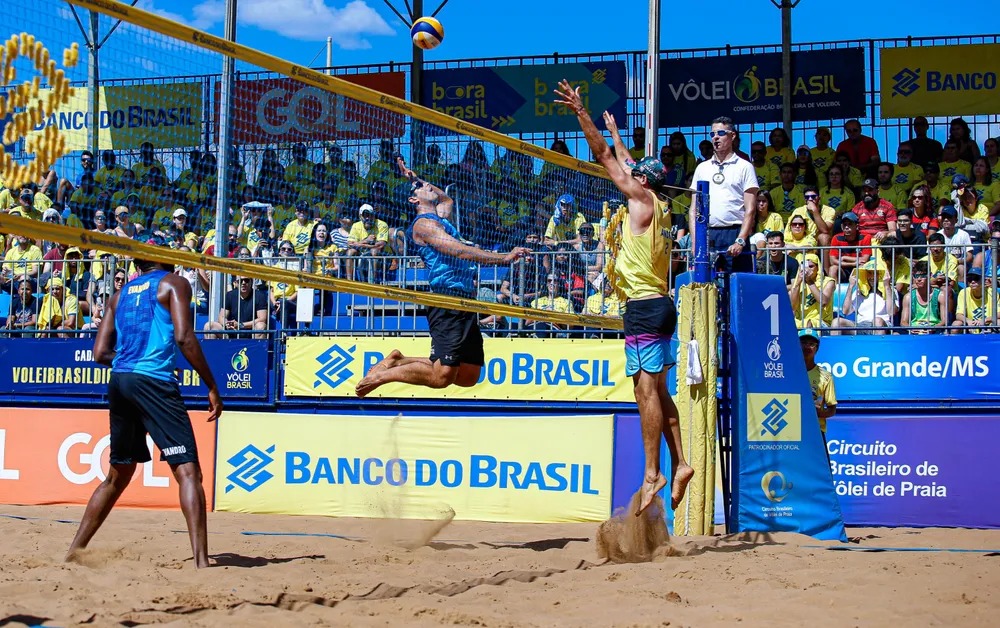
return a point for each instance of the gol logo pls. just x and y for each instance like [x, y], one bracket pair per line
[83, 466]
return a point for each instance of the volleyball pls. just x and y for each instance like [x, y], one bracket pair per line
[427, 33]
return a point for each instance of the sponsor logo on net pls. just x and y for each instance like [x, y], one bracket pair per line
[776, 488]
[774, 421]
[908, 81]
[251, 469]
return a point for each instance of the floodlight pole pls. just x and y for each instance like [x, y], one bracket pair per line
[786, 7]
[653, 80]
[225, 143]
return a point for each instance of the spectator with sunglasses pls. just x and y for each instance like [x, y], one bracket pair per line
[243, 309]
[861, 149]
[819, 217]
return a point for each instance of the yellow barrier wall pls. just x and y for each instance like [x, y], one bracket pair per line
[546, 469]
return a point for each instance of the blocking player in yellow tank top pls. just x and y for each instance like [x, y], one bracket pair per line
[643, 260]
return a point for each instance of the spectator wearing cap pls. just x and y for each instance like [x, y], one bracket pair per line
[861, 149]
[23, 307]
[906, 173]
[23, 259]
[774, 261]
[177, 233]
[870, 298]
[956, 240]
[110, 173]
[851, 248]
[788, 194]
[975, 305]
[824, 394]
[925, 149]
[59, 311]
[819, 217]
[876, 216]
[951, 163]
[564, 225]
[811, 294]
[887, 188]
[822, 154]
[299, 230]
[26, 204]
[733, 188]
[942, 266]
[369, 237]
[147, 162]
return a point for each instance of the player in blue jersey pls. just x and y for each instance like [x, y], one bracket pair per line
[145, 323]
[456, 342]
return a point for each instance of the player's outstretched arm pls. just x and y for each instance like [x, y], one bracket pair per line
[104, 344]
[179, 295]
[432, 234]
[621, 151]
[570, 97]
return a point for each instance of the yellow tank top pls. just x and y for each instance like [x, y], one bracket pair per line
[643, 261]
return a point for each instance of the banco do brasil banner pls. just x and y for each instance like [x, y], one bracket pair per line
[929, 369]
[519, 99]
[527, 469]
[827, 84]
[939, 80]
[66, 367]
[168, 114]
[517, 369]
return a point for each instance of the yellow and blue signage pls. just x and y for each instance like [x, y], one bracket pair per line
[522, 369]
[541, 470]
[782, 481]
[939, 80]
[519, 99]
[167, 114]
[828, 84]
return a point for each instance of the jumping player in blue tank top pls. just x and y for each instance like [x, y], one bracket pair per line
[456, 342]
[147, 321]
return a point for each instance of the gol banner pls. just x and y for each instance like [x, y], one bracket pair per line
[525, 369]
[939, 80]
[517, 469]
[60, 456]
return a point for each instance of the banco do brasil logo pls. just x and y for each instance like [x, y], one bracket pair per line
[905, 82]
[746, 86]
[774, 417]
[334, 363]
[240, 361]
[250, 468]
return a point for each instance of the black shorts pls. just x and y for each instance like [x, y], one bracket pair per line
[649, 325]
[455, 337]
[141, 404]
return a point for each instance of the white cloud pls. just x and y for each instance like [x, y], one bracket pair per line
[309, 20]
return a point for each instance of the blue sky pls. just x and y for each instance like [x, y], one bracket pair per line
[366, 31]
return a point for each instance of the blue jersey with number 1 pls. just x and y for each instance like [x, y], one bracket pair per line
[145, 332]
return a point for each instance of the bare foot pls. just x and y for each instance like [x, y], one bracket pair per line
[649, 490]
[72, 556]
[388, 361]
[368, 384]
[682, 475]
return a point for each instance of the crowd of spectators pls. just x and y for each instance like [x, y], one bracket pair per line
[828, 219]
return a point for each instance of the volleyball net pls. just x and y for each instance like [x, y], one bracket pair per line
[312, 192]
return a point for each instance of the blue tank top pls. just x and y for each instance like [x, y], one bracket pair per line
[447, 273]
[145, 332]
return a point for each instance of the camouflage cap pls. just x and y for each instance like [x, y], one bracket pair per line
[652, 168]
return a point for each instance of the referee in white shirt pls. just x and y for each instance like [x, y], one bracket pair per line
[732, 185]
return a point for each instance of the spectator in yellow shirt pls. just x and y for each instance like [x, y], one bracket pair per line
[951, 164]
[110, 174]
[824, 395]
[906, 174]
[605, 303]
[767, 173]
[789, 194]
[975, 305]
[23, 259]
[551, 301]
[147, 162]
[299, 230]
[368, 238]
[564, 226]
[822, 154]
[779, 152]
[300, 172]
[812, 295]
[59, 310]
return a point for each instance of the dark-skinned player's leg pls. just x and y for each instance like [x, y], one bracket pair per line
[192, 497]
[101, 502]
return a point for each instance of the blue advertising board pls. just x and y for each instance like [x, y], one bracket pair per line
[519, 99]
[930, 370]
[916, 470]
[827, 84]
[780, 477]
[66, 367]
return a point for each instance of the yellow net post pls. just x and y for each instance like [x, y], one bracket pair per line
[697, 334]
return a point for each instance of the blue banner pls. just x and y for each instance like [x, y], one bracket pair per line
[780, 475]
[827, 84]
[66, 367]
[916, 471]
[519, 99]
[931, 370]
